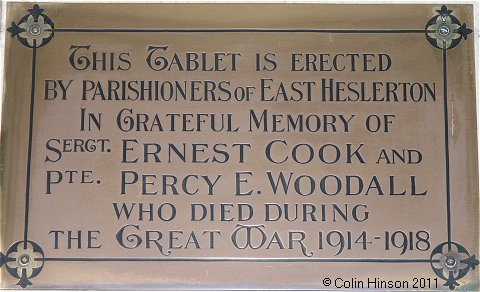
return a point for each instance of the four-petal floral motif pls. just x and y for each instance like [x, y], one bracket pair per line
[444, 31]
[24, 260]
[451, 262]
[33, 30]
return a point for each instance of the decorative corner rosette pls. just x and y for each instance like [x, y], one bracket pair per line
[23, 260]
[444, 30]
[34, 29]
[451, 262]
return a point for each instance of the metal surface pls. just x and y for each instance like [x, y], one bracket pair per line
[259, 146]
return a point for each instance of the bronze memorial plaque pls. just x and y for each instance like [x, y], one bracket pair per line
[239, 146]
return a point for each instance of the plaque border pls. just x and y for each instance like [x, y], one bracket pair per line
[449, 260]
